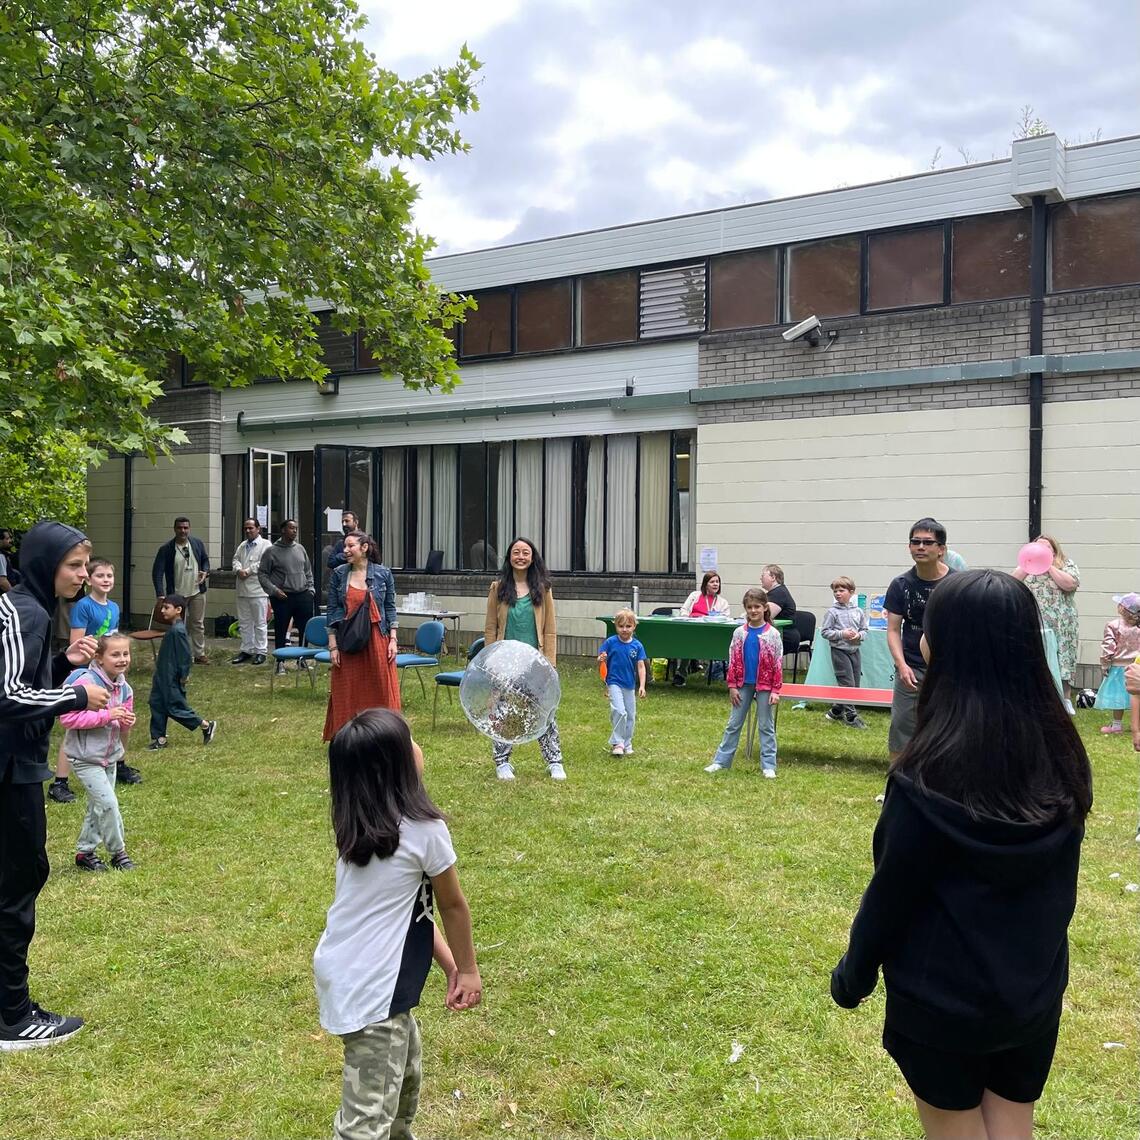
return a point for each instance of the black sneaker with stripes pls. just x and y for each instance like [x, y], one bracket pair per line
[38, 1029]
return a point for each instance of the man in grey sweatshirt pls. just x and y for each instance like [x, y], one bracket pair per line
[286, 575]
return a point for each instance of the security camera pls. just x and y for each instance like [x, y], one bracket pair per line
[808, 329]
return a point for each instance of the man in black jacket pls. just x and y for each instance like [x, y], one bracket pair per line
[54, 559]
[182, 566]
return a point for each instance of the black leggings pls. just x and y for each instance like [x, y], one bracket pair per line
[297, 607]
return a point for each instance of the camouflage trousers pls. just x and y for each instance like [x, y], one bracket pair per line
[382, 1073]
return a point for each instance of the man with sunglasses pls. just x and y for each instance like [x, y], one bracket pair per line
[905, 604]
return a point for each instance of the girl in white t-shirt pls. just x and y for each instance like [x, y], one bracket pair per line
[373, 958]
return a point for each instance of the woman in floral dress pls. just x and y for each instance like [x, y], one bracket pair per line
[1056, 594]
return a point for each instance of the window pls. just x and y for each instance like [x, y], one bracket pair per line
[743, 289]
[338, 349]
[234, 508]
[823, 278]
[472, 506]
[672, 301]
[487, 330]
[653, 503]
[990, 257]
[545, 316]
[904, 269]
[684, 443]
[365, 361]
[1096, 242]
[607, 308]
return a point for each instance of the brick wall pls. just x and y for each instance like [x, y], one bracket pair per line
[198, 412]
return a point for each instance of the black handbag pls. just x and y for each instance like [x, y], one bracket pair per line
[354, 633]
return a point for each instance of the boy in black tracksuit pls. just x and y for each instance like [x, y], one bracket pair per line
[54, 559]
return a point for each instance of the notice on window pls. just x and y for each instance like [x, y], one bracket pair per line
[334, 516]
[263, 516]
[708, 557]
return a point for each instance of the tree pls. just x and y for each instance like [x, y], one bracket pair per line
[44, 478]
[177, 177]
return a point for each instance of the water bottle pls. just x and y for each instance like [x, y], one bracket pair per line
[636, 599]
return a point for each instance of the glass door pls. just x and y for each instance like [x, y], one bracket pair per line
[269, 490]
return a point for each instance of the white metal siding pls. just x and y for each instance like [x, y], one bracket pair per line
[984, 188]
[653, 369]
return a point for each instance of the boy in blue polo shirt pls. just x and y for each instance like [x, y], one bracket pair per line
[623, 655]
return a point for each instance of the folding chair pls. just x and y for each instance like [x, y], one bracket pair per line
[151, 635]
[454, 678]
[313, 640]
[429, 642]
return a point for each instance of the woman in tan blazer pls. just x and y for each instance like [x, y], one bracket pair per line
[520, 607]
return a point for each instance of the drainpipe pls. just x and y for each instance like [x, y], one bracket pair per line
[1036, 348]
[128, 524]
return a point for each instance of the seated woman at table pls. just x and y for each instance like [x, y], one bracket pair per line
[705, 602]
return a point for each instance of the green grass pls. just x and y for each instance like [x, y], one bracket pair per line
[632, 924]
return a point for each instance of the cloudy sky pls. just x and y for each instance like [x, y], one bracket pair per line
[599, 112]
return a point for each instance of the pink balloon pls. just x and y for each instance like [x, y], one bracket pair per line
[1035, 557]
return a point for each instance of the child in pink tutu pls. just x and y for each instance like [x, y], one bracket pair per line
[1119, 649]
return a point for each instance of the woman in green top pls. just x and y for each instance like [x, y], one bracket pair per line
[520, 607]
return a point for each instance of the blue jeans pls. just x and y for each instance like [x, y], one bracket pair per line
[623, 713]
[765, 723]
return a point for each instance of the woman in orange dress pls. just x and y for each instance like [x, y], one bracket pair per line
[368, 679]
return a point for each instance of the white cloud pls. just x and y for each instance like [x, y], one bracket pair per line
[399, 29]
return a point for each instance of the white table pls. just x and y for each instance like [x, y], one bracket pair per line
[452, 616]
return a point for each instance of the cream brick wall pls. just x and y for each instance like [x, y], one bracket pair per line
[1091, 503]
[184, 484]
[838, 494]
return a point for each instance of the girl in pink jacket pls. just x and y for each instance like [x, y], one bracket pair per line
[95, 743]
[755, 673]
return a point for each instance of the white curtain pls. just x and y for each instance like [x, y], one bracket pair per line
[423, 504]
[446, 466]
[559, 508]
[392, 523]
[621, 504]
[653, 503]
[595, 504]
[528, 485]
[504, 502]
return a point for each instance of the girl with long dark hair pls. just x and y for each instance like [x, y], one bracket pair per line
[520, 607]
[976, 857]
[394, 855]
[366, 679]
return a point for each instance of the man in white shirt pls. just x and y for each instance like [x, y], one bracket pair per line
[252, 600]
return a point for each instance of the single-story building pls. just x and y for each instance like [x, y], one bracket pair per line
[629, 402]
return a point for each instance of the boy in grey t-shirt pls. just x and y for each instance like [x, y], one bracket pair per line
[844, 628]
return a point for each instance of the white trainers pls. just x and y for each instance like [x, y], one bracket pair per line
[629, 749]
[504, 771]
[1069, 707]
[769, 774]
[715, 767]
[557, 772]
[617, 750]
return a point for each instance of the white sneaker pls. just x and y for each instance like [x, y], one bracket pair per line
[1069, 707]
[629, 749]
[557, 772]
[617, 750]
[715, 767]
[504, 771]
[769, 774]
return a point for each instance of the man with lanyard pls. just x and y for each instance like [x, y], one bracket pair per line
[251, 598]
[181, 567]
[905, 604]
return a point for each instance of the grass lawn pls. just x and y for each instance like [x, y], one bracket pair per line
[636, 926]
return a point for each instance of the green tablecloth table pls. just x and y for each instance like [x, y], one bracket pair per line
[702, 639]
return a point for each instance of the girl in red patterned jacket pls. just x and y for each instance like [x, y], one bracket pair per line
[755, 671]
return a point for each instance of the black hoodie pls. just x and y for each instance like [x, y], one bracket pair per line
[30, 696]
[968, 919]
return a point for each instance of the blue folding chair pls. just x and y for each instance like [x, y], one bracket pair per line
[428, 644]
[313, 640]
[453, 678]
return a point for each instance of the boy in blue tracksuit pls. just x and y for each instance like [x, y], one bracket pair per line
[171, 672]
